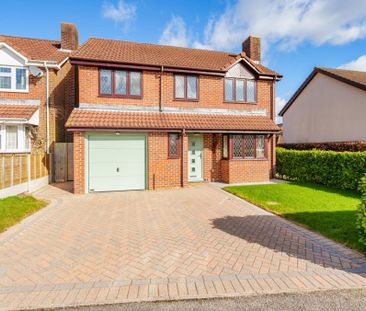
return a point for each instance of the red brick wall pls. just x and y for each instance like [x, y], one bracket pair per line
[211, 92]
[164, 172]
[61, 102]
[79, 162]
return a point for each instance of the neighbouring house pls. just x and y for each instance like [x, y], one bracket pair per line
[37, 94]
[152, 116]
[330, 106]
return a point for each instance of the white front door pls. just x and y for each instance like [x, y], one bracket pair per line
[195, 158]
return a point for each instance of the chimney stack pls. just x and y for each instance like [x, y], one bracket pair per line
[69, 36]
[252, 48]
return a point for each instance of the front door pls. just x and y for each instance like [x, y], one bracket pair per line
[195, 158]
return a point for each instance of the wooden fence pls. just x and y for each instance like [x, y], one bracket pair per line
[17, 169]
[63, 162]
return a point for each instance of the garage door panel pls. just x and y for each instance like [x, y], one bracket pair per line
[116, 162]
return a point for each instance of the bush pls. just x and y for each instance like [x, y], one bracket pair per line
[361, 217]
[336, 169]
[336, 146]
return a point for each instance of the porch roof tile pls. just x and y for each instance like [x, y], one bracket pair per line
[24, 112]
[106, 119]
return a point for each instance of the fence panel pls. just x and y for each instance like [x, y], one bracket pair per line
[15, 170]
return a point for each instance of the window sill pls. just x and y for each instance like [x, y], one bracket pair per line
[247, 159]
[235, 102]
[13, 91]
[14, 151]
[119, 96]
[173, 158]
[186, 100]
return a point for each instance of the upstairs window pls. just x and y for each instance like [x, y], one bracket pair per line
[240, 90]
[120, 83]
[186, 87]
[13, 79]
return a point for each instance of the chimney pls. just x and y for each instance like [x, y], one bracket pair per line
[69, 36]
[252, 48]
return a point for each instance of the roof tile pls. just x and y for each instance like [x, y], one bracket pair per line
[36, 49]
[125, 52]
[17, 111]
[106, 119]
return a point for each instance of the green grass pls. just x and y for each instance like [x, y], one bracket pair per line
[328, 211]
[14, 209]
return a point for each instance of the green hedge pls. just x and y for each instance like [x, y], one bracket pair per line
[361, 217]
[336, 169]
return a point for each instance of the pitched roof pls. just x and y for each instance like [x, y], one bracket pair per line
[351, 77]
[106, 119]
[24, 112]
[36, 49]
[125, 52]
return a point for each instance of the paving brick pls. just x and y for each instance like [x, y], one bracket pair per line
[166, 244]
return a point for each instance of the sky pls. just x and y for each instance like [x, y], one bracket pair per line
[296, 35]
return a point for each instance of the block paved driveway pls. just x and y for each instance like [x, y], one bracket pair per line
[169, 244]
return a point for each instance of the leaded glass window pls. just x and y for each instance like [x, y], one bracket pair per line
[120, 81]
[191, 87]
[251, 92]
[249, 146]
[106, 81]
[135, 83]
[237, 146]
[229, 85]
[173, 145]
[260, 147]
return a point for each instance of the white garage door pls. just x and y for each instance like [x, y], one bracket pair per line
[116, 162]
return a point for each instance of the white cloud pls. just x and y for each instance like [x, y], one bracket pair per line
[122, 13]
[280, 103]
[357, 64]
[287, 23]
[175, 33]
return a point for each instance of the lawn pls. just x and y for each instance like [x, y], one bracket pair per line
[331, 212]
[14, 209]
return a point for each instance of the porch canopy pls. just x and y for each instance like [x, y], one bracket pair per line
[13, 113]
[94, 119]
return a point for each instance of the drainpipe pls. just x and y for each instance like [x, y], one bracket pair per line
[47, 110]
[182, 156]
[161, 90]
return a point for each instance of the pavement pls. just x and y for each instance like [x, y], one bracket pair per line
[336, 300]
[137, 246]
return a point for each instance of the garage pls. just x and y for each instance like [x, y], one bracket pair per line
[116, 162]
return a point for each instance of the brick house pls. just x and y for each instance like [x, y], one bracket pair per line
[152, 116]
[37, 94]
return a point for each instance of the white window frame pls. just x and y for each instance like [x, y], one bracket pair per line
[22, 148]
[13, 79]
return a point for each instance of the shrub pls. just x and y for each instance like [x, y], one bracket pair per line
[336, 169]
[336, 146]
[361, 217]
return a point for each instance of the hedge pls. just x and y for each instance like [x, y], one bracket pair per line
[361, 217]
[335, 146]
[336, 169]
